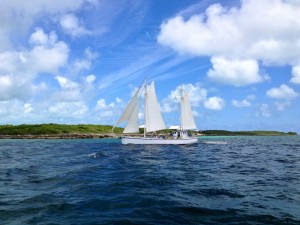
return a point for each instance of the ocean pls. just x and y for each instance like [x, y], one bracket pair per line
[250, 180]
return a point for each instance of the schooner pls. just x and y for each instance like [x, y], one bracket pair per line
[153, 120]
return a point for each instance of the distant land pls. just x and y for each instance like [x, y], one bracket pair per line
[246, 133]
[63, 131]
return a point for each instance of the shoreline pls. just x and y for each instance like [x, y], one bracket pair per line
[90, 131]
[59, 136]
[97, 136]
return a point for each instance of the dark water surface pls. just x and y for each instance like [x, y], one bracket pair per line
[251, 180]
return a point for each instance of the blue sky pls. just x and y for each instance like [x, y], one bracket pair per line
[79, 61]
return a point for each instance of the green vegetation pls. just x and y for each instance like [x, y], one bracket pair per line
[248, 133]
[63, 129]
[57, 129]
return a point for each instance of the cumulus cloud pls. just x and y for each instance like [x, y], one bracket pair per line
[214, 103]
[47, 55]
[235, 72]
[19, 69]
[266, 31]
[101, 104]
[296, 75]
[13, 87]
[108, 110]
[70, 91]
[90, 79]
[66, 83]
[282, 92]
[243, 103]
[73, 26]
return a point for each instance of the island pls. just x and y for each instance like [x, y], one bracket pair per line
[58, 131]
[65, 131]
[246, 133]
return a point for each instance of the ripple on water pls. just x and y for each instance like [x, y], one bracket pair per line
[251, 180]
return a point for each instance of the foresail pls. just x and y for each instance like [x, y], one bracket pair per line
[133, 121]
[153, 118]
[129, 109]
[187, 119]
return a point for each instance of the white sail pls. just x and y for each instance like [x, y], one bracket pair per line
[187, 120]
[129, 109]
[153, 118]
[133, 121]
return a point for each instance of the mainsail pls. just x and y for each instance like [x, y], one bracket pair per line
[133, 121]
[153, 118]
[187, 120]
[129, 111]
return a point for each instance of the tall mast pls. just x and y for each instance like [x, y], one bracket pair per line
[181, 99]
[145, 113]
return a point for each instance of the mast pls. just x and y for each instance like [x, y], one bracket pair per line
[145, 109]
[181, 114]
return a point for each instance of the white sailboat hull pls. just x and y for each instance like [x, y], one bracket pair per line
[158, 141]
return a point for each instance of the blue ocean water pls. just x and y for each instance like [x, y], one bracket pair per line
[251, 180]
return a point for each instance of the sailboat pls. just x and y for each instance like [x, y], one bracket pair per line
[153, 120]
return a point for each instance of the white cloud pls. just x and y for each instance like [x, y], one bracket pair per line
[90, 79]
[108, 111]
[264, 111]
[280, 106]
[296, 75]
[118, 100]
[73, 26]
[70, 91]
[266, 31]
[101, 104]
[18, 17]
[243, 103]
[234, 72]
[68, 109]
[12, 86]
[195, 37]
[283, 92]
[84, 63]
[46, 56]
[27, 108]
[40, 38]
[66, 83]
[214, 103]
[238, 32]
[19, 69]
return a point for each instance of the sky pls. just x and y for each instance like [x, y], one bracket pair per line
[80, 61]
